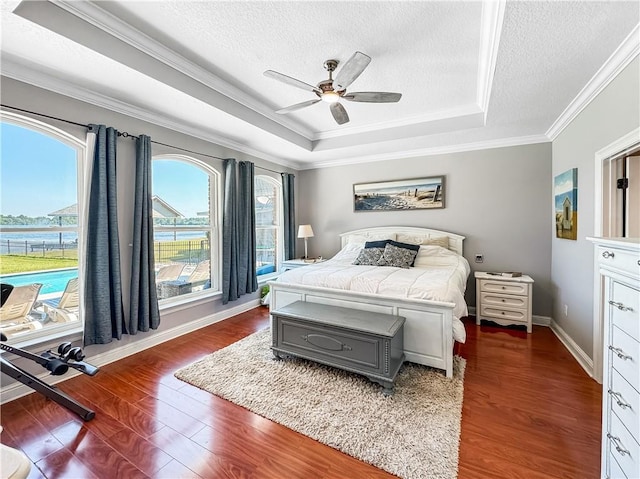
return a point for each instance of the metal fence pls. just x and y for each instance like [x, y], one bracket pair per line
[182, 251]
[43, 249]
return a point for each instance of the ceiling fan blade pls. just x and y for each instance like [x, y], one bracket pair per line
[351, 70]
[339, 113]
[373, 96]
[298, 106]
[291, 81]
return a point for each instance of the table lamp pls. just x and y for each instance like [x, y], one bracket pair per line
[305, 231]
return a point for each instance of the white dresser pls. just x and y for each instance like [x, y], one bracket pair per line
[618, 294]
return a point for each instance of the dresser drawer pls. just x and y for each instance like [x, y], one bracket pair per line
[625, 403]
[619, 259]
[623, 448]
[625, 309]
[507, 287]
[615, 471]
[501, 313]
[625, 354]
[504, 300]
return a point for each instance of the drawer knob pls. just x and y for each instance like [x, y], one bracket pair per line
[619, 399]
[620, 353]
[619, 446]
[620, 306]
[607, 254]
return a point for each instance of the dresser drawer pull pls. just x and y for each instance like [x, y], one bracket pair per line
[607, 254]
[621, 354]
[619, 399]
[618, 444]
[620, 306]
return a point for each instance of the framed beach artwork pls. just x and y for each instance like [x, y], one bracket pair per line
[565, 189]
[413, 194]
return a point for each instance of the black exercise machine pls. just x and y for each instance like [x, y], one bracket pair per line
[58, 364]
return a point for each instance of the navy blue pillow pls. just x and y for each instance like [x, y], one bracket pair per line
[376, 244]
[412, 247]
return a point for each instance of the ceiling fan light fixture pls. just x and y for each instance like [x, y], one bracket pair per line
[330, 97]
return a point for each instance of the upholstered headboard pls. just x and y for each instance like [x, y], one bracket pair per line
[409, 234]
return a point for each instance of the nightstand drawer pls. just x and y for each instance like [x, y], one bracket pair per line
[519, 316]
[503, 301]
[506, 287]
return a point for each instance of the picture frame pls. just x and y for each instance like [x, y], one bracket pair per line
[565, 190]
[400, 195]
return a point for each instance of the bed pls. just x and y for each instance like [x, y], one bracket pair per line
[430, 295]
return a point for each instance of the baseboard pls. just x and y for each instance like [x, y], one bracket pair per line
[583, 359]
[17, 390]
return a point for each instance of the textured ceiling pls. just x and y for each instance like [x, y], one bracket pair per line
[471, 73]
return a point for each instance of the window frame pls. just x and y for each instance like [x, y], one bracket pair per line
[82, 151]
[215, 226]
[279, 253]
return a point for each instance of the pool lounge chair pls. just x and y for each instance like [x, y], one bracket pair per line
[14, 312]
[64, 308]
[170, 272]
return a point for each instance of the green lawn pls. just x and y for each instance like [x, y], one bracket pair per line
[10, 264]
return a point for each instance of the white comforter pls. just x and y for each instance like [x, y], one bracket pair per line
[439, 275]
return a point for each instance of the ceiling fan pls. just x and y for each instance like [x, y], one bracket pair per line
[332, 90]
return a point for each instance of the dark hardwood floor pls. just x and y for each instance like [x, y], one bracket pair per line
[529, 412]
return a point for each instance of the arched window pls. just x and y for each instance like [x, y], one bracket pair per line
[41, 200]
[185, 218]
[268, 202]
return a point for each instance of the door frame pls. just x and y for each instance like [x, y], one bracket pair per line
[628, 142]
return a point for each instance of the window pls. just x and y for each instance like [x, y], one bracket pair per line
[186, 246]
[40, 235]
[268, 211]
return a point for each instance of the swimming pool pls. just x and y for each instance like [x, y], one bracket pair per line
[52, 281]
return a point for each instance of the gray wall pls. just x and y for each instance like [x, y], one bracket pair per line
[27, 97]
[497, 198]
[611, 115]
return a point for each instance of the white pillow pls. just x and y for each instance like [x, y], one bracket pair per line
[370, 237]
[432, 255]
[424, 240]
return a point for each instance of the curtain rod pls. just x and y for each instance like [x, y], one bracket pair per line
[127, 135]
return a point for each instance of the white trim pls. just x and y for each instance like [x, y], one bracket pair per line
[490, 31]
[624, 54]
[430, 151]
[26, 74]
[583, 358]
[17, 390]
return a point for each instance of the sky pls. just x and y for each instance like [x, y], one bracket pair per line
[38, 176]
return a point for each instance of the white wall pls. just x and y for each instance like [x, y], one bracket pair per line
[612, 114]
[498, 198]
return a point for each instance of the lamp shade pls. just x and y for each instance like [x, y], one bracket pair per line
[305, 231]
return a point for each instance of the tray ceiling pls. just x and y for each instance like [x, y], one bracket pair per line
[470, 73]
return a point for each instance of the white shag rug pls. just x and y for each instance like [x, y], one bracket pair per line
[413, 434]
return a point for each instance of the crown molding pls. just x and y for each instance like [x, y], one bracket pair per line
[490, 31]
[624, 54]
[37, 78]
[437, 150]
[105, 21]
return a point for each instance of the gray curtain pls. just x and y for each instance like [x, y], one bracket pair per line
[238, 232]
[104, 313]
[144, 313]
[247, 279]
[289, 211]
[229, 234]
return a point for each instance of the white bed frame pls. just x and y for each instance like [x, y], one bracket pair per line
[428, 331]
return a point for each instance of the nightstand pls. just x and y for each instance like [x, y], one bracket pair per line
[299, 263]
[504, 300]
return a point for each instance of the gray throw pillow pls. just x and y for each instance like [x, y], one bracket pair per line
[369, 256]
[397, 257]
